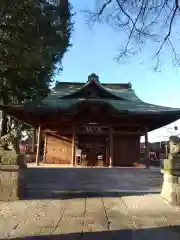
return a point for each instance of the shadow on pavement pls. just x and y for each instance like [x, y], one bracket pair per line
[86, 194]
[165, 233]
[64, 183]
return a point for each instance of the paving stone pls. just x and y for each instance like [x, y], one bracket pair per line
[95, 216]
[149, 213]
[73, 217]
[117, 214]
[37, 214]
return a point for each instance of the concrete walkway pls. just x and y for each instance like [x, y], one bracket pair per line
[127, 217]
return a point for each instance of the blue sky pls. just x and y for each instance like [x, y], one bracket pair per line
[93, 51]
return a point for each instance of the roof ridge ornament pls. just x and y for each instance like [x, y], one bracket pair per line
[93, 77]
[130, 85]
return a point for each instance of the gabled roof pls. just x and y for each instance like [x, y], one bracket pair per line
[120, 100]
[64, 90]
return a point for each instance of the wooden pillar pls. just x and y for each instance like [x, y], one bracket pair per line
[146, 153]
[107, 153]
[45, 148]
[73, 161]
[166, 149]
[111, 147]
[38, 146]
[33, 139]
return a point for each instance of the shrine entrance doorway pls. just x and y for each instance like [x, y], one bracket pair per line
[94, 150]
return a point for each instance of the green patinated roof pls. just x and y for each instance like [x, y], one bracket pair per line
[64, 89]
[134, 107]
[131, 103]
[119, 98]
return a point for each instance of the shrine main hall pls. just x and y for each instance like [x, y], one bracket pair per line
[93, 123]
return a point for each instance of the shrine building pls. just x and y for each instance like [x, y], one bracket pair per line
[93, 124]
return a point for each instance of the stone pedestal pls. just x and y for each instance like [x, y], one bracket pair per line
[12, 182]
[171, 184]
[171, 189]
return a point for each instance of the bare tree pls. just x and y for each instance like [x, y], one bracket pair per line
[141, 20]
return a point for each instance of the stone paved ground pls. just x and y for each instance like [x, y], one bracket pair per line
[130, 216]
[127, 217]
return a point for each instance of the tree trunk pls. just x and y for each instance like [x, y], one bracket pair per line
[18, 138]
[4, 100]
[3, 119]
[16, 145]
[4, 122]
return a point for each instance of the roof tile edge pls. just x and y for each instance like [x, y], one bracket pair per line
[127, 86]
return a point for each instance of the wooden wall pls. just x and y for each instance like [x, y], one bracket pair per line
[59, 150]
[126, 150]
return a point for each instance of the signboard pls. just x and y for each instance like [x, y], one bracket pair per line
[92, 129]
[78, 152]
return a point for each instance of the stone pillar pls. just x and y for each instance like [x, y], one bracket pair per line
[171, 169]
[146, 153]
[171, 182]
[111, 150]
[12, 182]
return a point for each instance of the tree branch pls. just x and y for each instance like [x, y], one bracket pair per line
[176, 7]
[148, 20]
[133, 23]
[103, 7]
